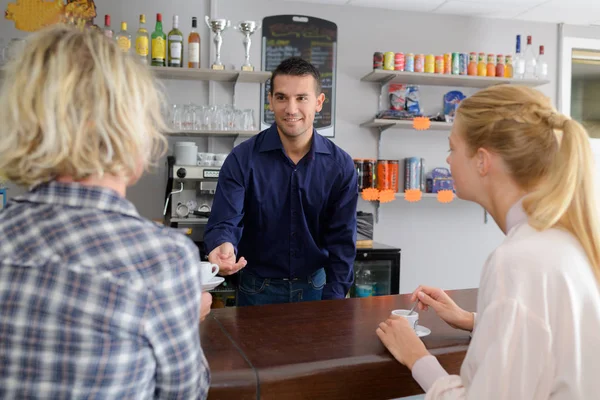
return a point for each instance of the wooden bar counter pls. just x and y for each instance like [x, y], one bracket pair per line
[320, 350]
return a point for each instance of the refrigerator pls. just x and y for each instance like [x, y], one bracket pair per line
[376, 271]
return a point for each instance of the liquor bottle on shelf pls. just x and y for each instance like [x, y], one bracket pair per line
[159, 44]
[530, 60]
[108, 32]
[194, 46]
[124, 38]
[142, 40]
[541, 67]
[519, 61]
[175, 44]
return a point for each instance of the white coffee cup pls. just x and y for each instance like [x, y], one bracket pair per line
[208, 271]
[413, 319]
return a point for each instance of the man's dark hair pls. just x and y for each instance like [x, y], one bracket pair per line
[297, 66]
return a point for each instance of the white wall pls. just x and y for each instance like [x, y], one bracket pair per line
[442, 245]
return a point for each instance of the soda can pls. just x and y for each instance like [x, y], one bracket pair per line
[439, 64]
[464, 63]
[399, 62]
[409, 62]
[448, 63]
[377, 60]
[455, 63]
[412, 173]
[420, 63]
[430, 63]
[388, 60]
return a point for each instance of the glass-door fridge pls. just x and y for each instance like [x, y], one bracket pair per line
[376, 271]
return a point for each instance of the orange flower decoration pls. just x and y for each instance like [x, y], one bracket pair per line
[412, 195]
[385, 196]
[445, 196]
[421, 123]
[370, 194]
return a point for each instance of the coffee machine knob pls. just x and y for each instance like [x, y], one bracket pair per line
[181, 172]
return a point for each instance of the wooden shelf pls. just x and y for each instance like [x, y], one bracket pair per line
[404, 124]
[420, 78]
[213, 133]
[207, 74]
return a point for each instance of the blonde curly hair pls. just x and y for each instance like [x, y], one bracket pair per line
[72, 104]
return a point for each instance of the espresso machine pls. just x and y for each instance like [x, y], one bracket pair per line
[189, 198]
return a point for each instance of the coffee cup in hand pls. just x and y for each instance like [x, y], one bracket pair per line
[413, 319]
[208, 271]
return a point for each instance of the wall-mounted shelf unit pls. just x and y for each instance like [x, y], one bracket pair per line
[213, 133]
[419, 78]
[207, 74]
[383, 124]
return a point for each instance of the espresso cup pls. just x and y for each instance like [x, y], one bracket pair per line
[413, 319]
[208, 271]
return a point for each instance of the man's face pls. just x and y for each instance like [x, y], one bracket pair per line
[294, 101]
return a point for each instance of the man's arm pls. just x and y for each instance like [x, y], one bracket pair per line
[225, 221]
[340, 235]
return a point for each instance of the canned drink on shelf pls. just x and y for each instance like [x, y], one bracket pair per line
[464, 64]
[383, 175]
[409, 62]
[430, 63]
[368, 171]
[358, 166]
[388, 60]
[394, 174]
[412, 173]
[448, 63]
[420, 63]
[439, 64]
[455, 63]
[399, 62]
[377, 60]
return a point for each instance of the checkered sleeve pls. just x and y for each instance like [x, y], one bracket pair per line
[172, 328]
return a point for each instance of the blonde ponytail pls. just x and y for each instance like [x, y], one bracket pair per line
[567, 197]
[548, 155]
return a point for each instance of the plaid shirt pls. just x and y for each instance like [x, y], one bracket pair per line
[96, 302]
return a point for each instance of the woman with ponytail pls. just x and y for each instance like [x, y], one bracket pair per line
[536, 333]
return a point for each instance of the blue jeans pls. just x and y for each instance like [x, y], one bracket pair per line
[253, 290]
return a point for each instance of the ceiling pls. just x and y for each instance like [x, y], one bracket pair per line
[577, 12]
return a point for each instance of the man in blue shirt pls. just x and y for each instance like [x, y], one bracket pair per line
[286, 202]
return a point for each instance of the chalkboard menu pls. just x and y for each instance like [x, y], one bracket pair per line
[313, 39]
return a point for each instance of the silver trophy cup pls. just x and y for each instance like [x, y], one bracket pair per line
[247, 28]
[217, 26]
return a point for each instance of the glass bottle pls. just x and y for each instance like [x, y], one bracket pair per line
[159, 44]
[108, 32]
[194, 46]
[175, 44]
[142, 40]
[124, 38]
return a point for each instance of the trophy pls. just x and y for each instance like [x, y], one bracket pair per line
[247, 28]
[217, 26]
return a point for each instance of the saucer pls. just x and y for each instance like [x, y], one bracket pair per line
[212, 283]
[422, 331]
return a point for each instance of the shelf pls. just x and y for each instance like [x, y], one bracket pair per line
[213, 133]
[424, 195]
[207, 74]
[420, 78]
[404, 124]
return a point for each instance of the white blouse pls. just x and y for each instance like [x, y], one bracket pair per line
[537, 331]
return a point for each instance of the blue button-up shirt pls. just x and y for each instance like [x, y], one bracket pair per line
[288, 220]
